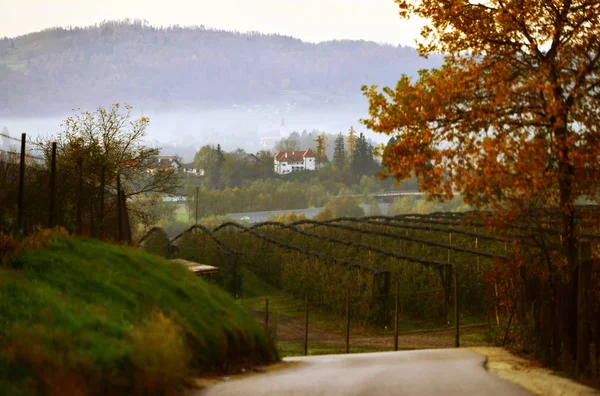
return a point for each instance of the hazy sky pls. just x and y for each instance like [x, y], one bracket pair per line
[310, 20]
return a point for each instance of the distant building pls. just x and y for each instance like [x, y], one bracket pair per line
[269, 139]
[245, 157]
[190, 169]
[10, 157]
[294, 161]
[162, 163]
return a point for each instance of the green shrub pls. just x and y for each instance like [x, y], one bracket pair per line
[84, 317]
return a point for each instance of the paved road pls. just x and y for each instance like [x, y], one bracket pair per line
[309, 213]
[427, 372]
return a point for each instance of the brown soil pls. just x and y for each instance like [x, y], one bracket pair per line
[292, 330]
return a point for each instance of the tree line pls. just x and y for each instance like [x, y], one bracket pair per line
[55, 69]
[98, 153]
[510, 122]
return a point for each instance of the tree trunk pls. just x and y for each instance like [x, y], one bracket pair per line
[562, 343]
[567, 202]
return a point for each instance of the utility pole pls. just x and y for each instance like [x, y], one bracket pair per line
[197, 191]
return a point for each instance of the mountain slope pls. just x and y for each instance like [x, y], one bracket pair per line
[59, 69]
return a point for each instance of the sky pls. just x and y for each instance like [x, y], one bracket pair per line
[309, 20]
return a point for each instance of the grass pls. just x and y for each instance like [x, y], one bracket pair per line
[84, 317]
[255, 291]
[183, 218]
[287, 349]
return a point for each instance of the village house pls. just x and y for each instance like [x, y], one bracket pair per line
[242, 157]
[162, 163]
[190, 169]
[294, 161]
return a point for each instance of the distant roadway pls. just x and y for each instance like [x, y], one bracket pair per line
[427, 372]
[309, 213]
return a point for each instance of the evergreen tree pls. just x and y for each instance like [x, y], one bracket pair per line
[362, 159]
[220, 160]
[320, 151]
[339, 153]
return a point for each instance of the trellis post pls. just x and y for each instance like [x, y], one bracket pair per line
[348, 320]
[396, 316]
[306, 326]
[456, 307]
[267, 317]
[197, 190]
[584, 275]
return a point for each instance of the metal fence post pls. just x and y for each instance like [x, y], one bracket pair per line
[20, 208]
[267, 317]
[456, 307]
[197, 190]
[306, 326]
[51, 213]
[348, 320]
[80, 197]
[584, 276]
[119, 211]
[102, 188]
[396, 317]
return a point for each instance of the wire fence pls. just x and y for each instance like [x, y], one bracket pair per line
[349, 266]
[32, 153]
[38, 193]
[298, 330]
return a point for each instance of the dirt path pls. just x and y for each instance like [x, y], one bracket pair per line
[537, 380]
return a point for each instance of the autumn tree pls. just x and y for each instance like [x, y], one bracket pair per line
[93, 150]
[511, 120]
[342, 207]
[339, 153]
[351, 142]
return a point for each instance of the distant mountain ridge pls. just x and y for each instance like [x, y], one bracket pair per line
[55, 70]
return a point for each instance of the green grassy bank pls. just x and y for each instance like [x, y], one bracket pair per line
[79, 316]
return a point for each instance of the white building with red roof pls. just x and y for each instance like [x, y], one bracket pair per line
[294, 161]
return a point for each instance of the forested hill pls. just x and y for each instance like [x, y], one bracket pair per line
[59, 69]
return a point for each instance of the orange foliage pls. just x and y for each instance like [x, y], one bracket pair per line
[511, 119]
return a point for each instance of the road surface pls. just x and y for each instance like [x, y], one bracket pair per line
[309, 213]
[426, 372]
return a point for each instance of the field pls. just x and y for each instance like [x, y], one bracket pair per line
[441, 271]
[80, 315]
[435, 266]
[326, 331]
[369, 257]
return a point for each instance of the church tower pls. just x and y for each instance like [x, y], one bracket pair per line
[282, 128]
